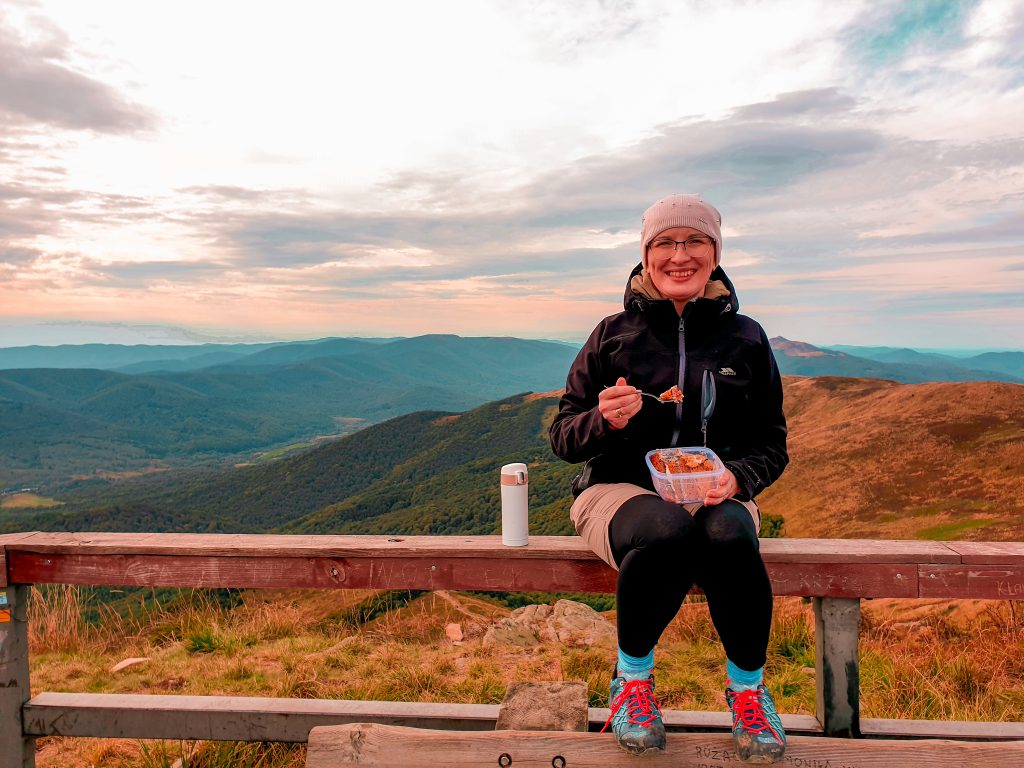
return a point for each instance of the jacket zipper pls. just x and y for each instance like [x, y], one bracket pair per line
[682, 380]
[707, 402]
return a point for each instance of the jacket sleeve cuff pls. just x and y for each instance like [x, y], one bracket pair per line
[748, 489]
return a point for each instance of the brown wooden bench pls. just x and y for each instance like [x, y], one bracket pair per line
[836, 574]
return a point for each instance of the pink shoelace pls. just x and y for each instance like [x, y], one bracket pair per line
[749, 712]
[638, 698]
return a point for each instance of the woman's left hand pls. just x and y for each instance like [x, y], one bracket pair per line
[727, 488]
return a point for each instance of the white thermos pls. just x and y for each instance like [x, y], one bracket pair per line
[515, 498]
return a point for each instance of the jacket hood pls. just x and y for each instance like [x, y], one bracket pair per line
[640, 295]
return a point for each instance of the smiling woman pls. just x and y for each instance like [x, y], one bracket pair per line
[680, 332]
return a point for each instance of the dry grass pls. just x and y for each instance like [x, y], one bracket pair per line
[879, 460]
[919, 659]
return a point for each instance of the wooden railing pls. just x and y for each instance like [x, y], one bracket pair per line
[836, 574]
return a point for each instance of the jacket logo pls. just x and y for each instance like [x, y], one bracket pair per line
[726, 372]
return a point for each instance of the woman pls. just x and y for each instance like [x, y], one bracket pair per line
[680, 327]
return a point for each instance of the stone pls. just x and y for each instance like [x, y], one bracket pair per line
[453, 632]
[567, 623]
[544, 706]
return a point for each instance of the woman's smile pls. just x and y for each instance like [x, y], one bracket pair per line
[680, 275]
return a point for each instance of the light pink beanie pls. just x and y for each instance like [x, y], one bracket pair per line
[681, 211]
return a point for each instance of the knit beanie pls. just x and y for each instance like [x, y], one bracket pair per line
[681, 211]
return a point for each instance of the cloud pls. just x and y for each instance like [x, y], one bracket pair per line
[873, 173]
[39, 86]
[829, 101]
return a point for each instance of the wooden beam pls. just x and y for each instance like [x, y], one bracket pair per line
[243, 718]
[269, 571]
[843, 580]
[836, 631]
[988, 552]
[232, 718]
[992, 582]
[524, 575]
[369, 745]
[16, 749]
[848, 551]
[877, 728]
[260, 545]
[857, 551]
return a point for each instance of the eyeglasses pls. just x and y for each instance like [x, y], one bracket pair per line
[694, 246]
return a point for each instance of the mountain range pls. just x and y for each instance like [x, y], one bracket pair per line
[56, 424]
[869, 458]
[132, 409]
[904, 365]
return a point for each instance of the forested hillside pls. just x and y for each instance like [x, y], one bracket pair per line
[420, 472]
[62, 426]
[869, 458]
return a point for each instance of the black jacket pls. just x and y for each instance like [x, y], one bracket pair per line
[730, 382]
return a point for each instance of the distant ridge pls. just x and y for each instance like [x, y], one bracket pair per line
[275, 396]
[869, 459]
[905, 366]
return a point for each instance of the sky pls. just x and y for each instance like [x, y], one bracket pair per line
[250, 171]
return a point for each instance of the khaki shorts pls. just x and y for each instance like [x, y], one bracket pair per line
[593, 510]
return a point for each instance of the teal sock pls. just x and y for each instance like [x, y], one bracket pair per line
[635, 667]
[741, 679]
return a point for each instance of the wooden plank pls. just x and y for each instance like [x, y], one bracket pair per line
[368, 745]
[542, 547]
[989, 552]
[836, 634]
[990, 582]
[316, 573]
[249, 718]
[13, 538]
[232, 718]
[3, 567]
[842, 580]
[429, 573]
[260, 545]
[856, 551]
[935, 729]
[16, 749]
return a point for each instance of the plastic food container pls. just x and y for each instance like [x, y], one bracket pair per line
[684, 487]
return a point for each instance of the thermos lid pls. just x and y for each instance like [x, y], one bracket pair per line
[514, 474]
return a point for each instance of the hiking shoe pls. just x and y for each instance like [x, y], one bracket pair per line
[635, 718]
[756, 726]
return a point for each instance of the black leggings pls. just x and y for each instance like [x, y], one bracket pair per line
[662, 551]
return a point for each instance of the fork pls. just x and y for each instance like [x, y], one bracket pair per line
[653, 397]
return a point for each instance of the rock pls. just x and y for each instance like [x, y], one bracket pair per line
[510, 632]
[544, 706]
[454, 632]
[129, 663]
[567, 622]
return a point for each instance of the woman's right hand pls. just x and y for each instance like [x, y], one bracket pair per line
[620, 403]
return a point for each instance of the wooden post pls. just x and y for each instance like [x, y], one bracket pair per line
[836, 628]
[18, 750]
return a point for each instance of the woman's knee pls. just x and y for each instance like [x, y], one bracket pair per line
[650, 522]
[728, 525]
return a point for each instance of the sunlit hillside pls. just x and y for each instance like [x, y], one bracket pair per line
[869, 458]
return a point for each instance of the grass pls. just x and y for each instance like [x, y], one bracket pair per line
[951, 531]
[28, 501]
[918, 660]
